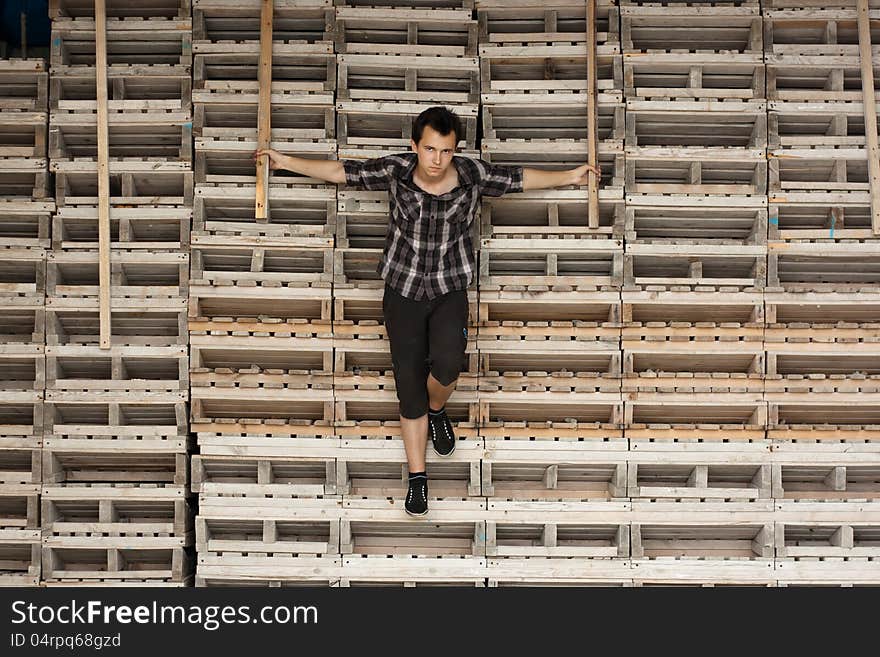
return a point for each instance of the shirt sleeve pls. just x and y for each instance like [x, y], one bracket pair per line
[374, 174]
[498, 179]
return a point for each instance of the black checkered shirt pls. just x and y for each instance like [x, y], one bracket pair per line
[428, 247]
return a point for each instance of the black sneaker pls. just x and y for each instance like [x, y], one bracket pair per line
[440, 430]
[417, 496]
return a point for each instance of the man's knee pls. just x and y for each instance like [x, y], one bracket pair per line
[446, 370]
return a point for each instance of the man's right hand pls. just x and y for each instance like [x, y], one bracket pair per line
[275, 158]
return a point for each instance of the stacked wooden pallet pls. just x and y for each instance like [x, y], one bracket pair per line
[396, 59]
[114, 497]
[25, 212]
[549, 407]
[822, 383]
[261, 300]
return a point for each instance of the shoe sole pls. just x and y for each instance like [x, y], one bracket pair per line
[416, 515]
[439, 454]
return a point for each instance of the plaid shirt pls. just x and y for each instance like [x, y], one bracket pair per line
[428, 247]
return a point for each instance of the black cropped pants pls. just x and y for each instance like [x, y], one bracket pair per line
[427, 336]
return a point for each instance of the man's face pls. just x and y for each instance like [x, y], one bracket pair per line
[435, 152]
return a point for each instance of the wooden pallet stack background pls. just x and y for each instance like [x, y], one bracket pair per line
[684, 392]
[261, 299]
[115, 504]
[25, 210]
[822, 295]
[549, 407]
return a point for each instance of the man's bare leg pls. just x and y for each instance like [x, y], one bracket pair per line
[438, 393]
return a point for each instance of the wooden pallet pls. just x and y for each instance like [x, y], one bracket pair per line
[716, 475]
[23, 134]
[24, 84]
[117, 422]
[700, 571]
[596, 530]
[549, 260]
[455, 528]
[229, 570]
[548, 117]
[740, 172]
[814, 79]
[299, 299]
[854, 572]
[819, 218]
[692, 306]
[159, 227]
[813, 31]
[546, 68]
[715, 29]
[60, 9]
[253, 395]
[560, 21]
[660, 357]
[77, 460]
[223, 157]
[819, 530]
[144, 274]
[545, 470]
[136, 128]
[728, 126]
[26, 222]
[132, 182]
[718, 415]
[537, 571]
[229, 108]
[20, 459]
[429, 32]
[300, 216]
[551, 212]
[130, 41]
[126, 513]
[20, 557]
[142, 371]
[667, 266]
[145, 322]
[125, 82]
[268, 527]
[224, 21]
[694, 80]
[22, 274]
[840, 267]
[23, 369]
[233, 67]
[657, 219]
[95, 560]
[266, 466]
[717, 531]
[375, 82]
[825, 472]
[23, 177]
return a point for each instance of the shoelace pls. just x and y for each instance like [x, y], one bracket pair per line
[421, 490]
[434, 430]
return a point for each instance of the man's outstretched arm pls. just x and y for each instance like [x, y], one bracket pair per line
[543, 179]
[329, 170]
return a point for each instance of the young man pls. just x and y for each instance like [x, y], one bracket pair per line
[427, 265]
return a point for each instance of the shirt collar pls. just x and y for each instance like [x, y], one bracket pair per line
[465, 179]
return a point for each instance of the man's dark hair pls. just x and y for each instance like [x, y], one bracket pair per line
[439, 118]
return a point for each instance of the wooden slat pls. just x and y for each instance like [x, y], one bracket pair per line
[103, 171]
[265, 108]
[870, 109]
[591, 114]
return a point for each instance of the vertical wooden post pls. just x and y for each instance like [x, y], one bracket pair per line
[592, 131]
[869, 102]
[103, 173]
[264, 112]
